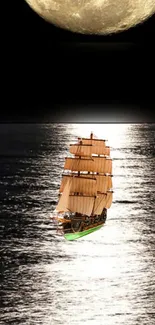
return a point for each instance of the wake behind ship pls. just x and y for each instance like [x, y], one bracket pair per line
[85, 192]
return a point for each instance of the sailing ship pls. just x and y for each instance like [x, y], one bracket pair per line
[85, 191]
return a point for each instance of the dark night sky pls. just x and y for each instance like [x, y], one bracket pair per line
[47, 71]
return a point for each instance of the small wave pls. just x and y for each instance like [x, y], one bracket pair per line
[125, 202]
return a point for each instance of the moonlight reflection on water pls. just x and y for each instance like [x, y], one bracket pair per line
[106, 277]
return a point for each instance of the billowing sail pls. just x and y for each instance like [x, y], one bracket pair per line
[64, 198]
[103, 182]
[81, 150]
[88, 150]
[109, 183]
[84, 185]
[81, 204]
[108, 166]
[96, 164]
[100, 150]
[101, 165]
[109, 200]
[76, 164]
[74, 203]
[100, 203]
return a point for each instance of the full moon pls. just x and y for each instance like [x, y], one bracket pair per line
[94, 16]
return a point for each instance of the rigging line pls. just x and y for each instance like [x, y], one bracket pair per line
[95, 135]
[78, 159]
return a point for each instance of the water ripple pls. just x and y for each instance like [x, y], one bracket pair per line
[105, 278]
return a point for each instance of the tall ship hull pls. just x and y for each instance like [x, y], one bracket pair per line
[76, 235]
[85, 191]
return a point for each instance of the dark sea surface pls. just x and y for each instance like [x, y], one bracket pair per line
[107, 277]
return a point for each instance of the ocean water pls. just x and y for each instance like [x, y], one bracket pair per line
[107, 277]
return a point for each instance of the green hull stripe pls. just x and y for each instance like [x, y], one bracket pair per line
[76, 235]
